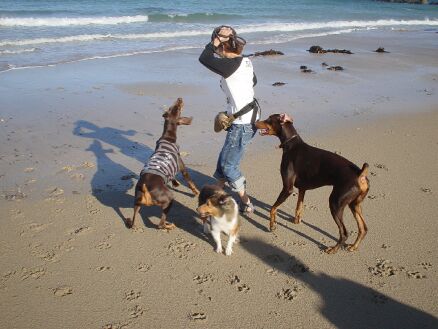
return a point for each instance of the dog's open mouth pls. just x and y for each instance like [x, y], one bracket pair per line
[264, 131]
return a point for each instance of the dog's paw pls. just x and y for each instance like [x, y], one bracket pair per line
[219, 250]
[166, 226]
[296, 220]
[128, 222]
[272, 227]
[331, 250]
[228, 251]
[351, 247]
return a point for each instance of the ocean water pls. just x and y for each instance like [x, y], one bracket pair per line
[49, 32]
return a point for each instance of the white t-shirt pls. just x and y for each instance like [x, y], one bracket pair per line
[239, 90]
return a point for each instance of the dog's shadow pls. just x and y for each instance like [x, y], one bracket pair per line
[112, 183]
[262, 210]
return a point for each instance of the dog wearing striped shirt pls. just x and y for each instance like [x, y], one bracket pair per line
[161, 168]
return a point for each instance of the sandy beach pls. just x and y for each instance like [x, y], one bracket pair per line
[75, 136]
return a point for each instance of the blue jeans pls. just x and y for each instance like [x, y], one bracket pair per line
[227, 168]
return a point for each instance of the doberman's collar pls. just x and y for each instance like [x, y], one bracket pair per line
[287, 141]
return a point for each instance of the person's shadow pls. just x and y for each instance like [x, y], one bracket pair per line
[346, 304]
[112, 182]
[115, 137]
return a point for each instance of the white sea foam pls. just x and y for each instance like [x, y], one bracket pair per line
[291, 27]
[283, 39]
[127, 54]
[259, 28]
[67, 21]
[97, 37]
[18, 51]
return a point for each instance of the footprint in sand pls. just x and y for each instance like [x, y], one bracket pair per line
[377, 196]
[91, 206]
[198, 316]
[381, 166]
[138, 230]
[103, 246]
[203, 278]
[242, 287]
[103, 268]
[136, 311]
[289, 293]
[118, 325]
[293, 243]
[77, 176]
[181, 247]
[62, 291]
[81, 230]
[415, 275]
[272, 271]
[132, 295]
[47, 255]
[384, 268]
[297, 267]
[426, 190]
[426, 265]
[33, 228]
[143, 267]
[35, 273]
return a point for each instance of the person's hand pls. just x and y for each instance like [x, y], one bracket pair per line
[225, 32]
[222, 36]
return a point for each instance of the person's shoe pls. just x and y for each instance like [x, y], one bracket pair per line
[246, 208]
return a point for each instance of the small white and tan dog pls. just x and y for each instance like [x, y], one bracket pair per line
[223, 211]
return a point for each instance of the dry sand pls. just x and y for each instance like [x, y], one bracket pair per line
[71, 149]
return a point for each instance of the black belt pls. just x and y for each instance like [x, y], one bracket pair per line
[254, 105]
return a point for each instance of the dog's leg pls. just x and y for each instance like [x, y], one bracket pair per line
[206, 225]
[231, 239]
[131, 223]
[337, 211]
[284, 194]
[300, 207]
[164, 224]
[356, 209]
[216, 234]
[187, 177]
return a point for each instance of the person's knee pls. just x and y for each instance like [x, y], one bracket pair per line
[238, 185]
[231, 172]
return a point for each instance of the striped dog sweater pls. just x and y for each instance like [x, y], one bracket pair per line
[164, 161]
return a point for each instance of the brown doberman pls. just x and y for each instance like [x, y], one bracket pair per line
[307, 167]
[161, 168]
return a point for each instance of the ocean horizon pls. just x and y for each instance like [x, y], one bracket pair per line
[44, 33]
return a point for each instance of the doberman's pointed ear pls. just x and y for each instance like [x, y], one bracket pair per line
[285, 118]
[184, 121]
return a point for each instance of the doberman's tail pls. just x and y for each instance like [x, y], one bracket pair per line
[362, 179]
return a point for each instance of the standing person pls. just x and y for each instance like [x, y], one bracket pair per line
[223, 55]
